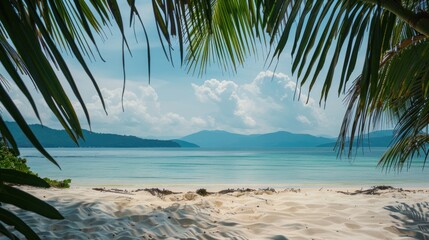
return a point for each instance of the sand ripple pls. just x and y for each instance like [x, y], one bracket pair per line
[283, 215]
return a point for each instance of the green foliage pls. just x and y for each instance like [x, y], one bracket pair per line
[58, 183]
[9, 161]
[14, 170]
[328, 42]
[393, 84]
[392, 88]
[225, 32]
[32, 36]
[23, 200]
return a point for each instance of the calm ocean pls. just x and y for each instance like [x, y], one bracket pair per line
[288, 167]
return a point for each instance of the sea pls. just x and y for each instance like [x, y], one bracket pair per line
[223, 168]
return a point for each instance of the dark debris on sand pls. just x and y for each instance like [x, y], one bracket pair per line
[157, 192]
[244, 190]
[375, 190]
[113, 190]
[240, 190]
[295, 190]
[268, 190]
[203, 192]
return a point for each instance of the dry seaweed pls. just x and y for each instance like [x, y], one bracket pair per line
[113, 190]
[240, 190]
[203, 192]
[295, 190]
[268, 190]
[157, 192]
[375, 190]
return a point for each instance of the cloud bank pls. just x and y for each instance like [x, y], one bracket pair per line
[264, 104]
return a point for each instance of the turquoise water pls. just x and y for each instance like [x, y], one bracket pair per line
[290, 167]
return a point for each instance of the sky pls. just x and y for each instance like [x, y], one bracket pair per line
[255, 99]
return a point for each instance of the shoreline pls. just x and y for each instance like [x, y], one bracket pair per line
[300, 213]
[219, 187]
[222, 186]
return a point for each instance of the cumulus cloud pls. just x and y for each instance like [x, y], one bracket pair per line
[265, 104]
[303, 119]
[214, 90]
[142, 116]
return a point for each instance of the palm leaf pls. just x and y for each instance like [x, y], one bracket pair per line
[27, 202]
[404, 150]
[400, 99]
[32, 35]
[7, 233]
[221, 31]
[18, 177]
[392, 86]
[11, 219]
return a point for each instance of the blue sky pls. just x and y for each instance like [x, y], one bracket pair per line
[252, 100]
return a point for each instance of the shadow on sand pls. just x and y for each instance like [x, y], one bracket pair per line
[413, 219]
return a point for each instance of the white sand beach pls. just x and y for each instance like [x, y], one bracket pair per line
[284, 214]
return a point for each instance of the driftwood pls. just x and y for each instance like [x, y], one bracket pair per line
[243, 190]
[202, 191]
[157, 192]
[375, 190]
[295, 190]
[113, 190]
[240, 190]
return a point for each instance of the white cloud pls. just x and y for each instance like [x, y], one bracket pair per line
[142, 113]
[265, 104]
[303, 119]
[142, 116]
[214, 90]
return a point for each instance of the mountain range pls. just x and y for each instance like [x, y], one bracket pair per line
[223, 139]
[205, 139]
[373, 139]
[59, 138]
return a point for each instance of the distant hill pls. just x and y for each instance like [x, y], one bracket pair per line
[59, 138]
[185, 144]
[208, 139]
[223, 139]
[373, 139]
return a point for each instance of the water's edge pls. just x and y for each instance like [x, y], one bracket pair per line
[259, 168]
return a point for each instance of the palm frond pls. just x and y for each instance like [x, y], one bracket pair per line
[221, 31]
[392, 85]
[23, 200]
[400, 99]
[33, 37]
[402, 152]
